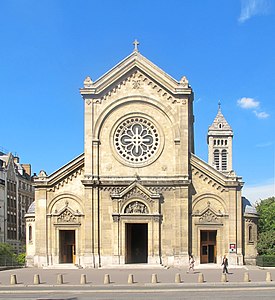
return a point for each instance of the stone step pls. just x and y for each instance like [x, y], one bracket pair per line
[133, 266]
[62, 266]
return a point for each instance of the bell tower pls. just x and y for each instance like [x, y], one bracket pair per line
[219, 140]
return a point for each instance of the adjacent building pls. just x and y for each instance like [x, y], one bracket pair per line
[16, 195]
[138, 193]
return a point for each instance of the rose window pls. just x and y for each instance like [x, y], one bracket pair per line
[136, 140]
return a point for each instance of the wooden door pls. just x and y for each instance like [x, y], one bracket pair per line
[208, 246]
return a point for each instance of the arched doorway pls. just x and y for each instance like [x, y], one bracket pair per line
[136, 243]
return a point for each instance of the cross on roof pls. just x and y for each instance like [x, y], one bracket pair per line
[136, 43]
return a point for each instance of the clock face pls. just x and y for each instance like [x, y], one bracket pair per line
[136, 140]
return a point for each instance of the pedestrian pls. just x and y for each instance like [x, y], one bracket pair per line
[191, 263]
[225, 264]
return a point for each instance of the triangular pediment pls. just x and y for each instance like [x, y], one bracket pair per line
[62, 176]
[67, 215]
[137, 191]
[208, 210]
[135, 62]
[208, 215]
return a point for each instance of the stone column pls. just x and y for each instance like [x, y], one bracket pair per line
[41, 230]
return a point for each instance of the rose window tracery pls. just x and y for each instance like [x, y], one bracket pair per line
[136, 140]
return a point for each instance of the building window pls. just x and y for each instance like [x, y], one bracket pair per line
[217, 159]
[30, 233]
[136, 139]
[224, 160]
[250, 234]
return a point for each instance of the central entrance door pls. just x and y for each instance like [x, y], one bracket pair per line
[136, 243]
[208, 246]
[67, 246]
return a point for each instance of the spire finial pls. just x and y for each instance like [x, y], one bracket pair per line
[219, 105]
[136, 43]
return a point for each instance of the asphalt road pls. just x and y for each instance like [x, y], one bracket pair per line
[153, 293]
[142, 288]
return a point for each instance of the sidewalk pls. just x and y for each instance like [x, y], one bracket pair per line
[212, 274]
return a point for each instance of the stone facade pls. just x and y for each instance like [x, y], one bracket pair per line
[138, 194]
[16, 195]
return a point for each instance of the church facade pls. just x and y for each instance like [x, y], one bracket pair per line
[138, 193]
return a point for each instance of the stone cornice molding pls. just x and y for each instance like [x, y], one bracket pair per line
[213, 177]
[158, 182]
[63, 175]
[251, 217]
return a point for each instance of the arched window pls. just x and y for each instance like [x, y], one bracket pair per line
[217, 159]
[30, 233]
[224, 160]
[250, 234]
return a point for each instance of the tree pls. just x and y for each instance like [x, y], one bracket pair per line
[266, 226]
[6, 254]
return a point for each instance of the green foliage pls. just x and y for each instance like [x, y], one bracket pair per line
[6, 249]
[266, 226]
[266, 211]
[9, 258]
[21, 259]
[266, 243]
[6, 254]
[266, 261]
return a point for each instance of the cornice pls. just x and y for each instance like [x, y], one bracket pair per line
[62, 175]
[213, 177]
[153, 181]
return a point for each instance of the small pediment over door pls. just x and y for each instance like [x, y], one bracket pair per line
[208, 216]
[137, 191]
[136, 200]
[67, 216]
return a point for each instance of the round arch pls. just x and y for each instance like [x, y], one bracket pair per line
[209, 196]
[139, 203]
[65, 196]
[166, 111]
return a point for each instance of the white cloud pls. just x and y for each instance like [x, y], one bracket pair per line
[264, 145]
[259, 192]
[252, 8]
[261, 115]
[248, 103]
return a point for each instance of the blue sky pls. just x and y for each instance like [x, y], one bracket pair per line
[226, 48]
